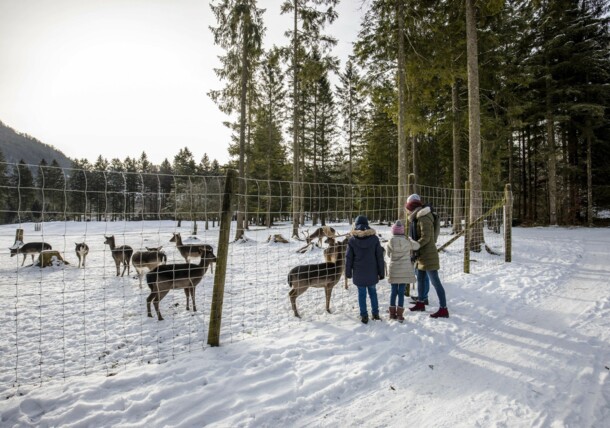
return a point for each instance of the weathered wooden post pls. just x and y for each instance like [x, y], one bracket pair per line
[468, 227]
[221, 259]
[508, 223]
[18, 235]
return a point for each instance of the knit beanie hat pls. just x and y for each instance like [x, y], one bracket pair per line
[398, 228]
[362, 223]
[413, 202]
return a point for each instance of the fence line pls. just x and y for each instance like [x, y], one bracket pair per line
[62, 321]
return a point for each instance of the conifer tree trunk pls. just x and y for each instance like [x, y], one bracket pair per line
[402, 141]
[552, 162]
[239, 233]
[474, 128]
[457, 184]
[296, 179]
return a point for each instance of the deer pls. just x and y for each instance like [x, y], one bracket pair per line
[147, 260]
[30, 248]
[81, 250]
[187, 250]
[164, 278]
[320, 233]
[121, 255]
[323, 275]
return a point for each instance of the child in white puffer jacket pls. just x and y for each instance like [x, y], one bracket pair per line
[400, 268]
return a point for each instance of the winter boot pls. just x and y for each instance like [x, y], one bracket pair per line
[441, 313]
[392, 311]
[364, 319]
[414, 300]
[419, 307]
[376, 317]
[400, 311]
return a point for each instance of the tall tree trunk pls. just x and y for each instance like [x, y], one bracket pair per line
[239, 233]
[296, 179]
[588, 135]
[402, 110]
[474, 128]
[457, 180]
[552, 158]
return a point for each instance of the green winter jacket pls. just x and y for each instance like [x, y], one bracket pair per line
[428, 253]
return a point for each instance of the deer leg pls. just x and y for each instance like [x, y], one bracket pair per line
[124, 267]
[186, 293]
[149, 299]
[193, 299]
[24, 256]
[159, 297]
[295, 292]
[329, 292]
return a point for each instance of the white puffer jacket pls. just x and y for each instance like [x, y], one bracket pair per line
[400, 268]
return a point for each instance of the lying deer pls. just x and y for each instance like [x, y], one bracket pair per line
[164, 278]
[81, 250]
[147, 260]
[121, 255]
[30, 248]
[323, 275]
[187, 250]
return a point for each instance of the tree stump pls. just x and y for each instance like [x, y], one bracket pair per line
[50, 258]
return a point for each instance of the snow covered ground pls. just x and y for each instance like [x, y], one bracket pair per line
[527, 344]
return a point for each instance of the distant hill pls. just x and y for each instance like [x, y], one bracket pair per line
[17, 146]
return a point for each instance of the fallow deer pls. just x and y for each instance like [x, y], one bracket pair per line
[164, 278]
[323, 275]
[81, 250]
[30, 248]
[121, 255]
[144, 261]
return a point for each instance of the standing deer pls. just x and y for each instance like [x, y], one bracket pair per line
[323, 275]
[30, 248]
[121, 255]
[147, 260]
[321, 233]
[81, 250]
[164, 278]
[187, 250]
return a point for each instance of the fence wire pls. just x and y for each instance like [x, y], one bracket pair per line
[62, 321]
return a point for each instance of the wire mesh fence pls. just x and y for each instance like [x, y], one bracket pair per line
[61, 320]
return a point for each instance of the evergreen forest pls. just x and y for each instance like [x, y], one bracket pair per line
[492, 92]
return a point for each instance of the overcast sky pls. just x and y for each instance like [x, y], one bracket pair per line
[119, 77]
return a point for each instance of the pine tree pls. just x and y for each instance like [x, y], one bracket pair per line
[239, 33]
[313, 21]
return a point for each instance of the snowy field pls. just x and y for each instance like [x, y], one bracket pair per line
[527, 343]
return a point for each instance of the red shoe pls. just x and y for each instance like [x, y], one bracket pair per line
[419, 306]
[441, 313]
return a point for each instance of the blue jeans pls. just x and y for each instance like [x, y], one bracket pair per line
[424, 296]
[436, 282]
[398, 290]
[372, 290]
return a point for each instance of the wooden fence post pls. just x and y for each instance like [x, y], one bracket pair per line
[18, 235]
[221, 259]
[508, 223]
[468, 228]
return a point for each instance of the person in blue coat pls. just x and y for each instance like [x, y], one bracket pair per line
[364, 265]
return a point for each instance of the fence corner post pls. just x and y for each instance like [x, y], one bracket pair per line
[508, 223]
[221, 259]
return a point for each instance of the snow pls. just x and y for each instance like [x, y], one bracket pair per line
[527, 343]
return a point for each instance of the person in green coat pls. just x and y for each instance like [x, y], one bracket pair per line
[428, 262]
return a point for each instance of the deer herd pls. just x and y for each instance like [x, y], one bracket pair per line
[162, 277]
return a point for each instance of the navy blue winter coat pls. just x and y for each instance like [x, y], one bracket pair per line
[364, 258]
